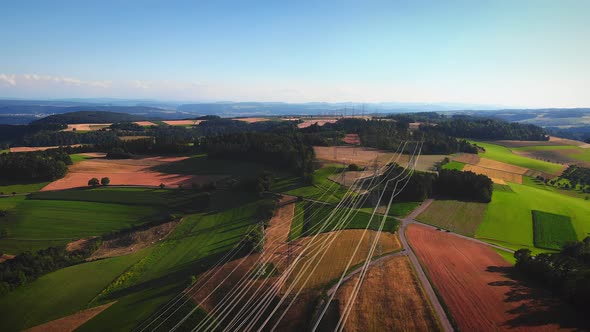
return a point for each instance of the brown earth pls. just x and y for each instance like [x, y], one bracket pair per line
[132, 242]
[182, 122]
[467, 158]
[79, 244]
[5, 257]
[252, 120]
[498, 165]
[499, 177]
[71, 322]
[476, 285]
[145, 123]
[307, 123]
[337, 255]
[366, 157]
[125, 172]
[391, 298]
[36, 148]
[353, 139]
[87, 126]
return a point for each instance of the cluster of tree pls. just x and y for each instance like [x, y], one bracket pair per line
[61, 138]
[566, 272]
[386, 134]
[447, 183]
[94, 182]
[34, 166]
[577, 175]
[284, 151]
[28, 266]
[15, 133]
[463, 185]
[491, 129]
[254, 239]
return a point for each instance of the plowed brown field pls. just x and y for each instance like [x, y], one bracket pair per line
[474, 283]
[390, 299]
[499, 177]
[182, 122]
[125, 172]
[35, 148]
[71, 322]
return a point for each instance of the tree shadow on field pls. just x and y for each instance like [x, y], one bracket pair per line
[534, 306]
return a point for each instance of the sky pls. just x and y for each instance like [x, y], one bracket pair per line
[511, 53]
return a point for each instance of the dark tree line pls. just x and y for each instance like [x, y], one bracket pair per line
[490, 129]
[34, 166]
[566, 272]
[447, 183]
[61, 138]
[463, 185]
[577, 175]
[282, 151]
[387, 135]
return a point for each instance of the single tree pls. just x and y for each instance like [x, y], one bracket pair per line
[93, 182]
[162, 186]
[105, 181]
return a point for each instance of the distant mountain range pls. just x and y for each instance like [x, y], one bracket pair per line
[25, 111]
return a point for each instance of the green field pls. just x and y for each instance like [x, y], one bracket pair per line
[508, 256]
[318, 215]
[297, 223]
[457, 216]
[36, 224]
[197, 243]
[507, 219]
[454, 165]
[60, 293]
[78, 157]
[172, 199]
[322, 189]
[503, 154]
[397, 209]
[552, 231]
[9, 187]
[545, 147]
[140, 283]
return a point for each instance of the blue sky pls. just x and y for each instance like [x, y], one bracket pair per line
[514, 53]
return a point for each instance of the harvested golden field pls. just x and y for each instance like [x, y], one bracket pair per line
[363, 156]
[337, 255]
[499, 177]
[182, 122]
[467, 158]
[125, 172]
[391, 298]
[133, 138]
[498, 165]
[86, 126]
[353, 139]
[36, 148]
[71, 322]
[145, 123]
[252, 120]
[307, 123]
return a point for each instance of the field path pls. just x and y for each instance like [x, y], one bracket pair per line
[436, 305]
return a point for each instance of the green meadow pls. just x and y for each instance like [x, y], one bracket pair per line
[508, 218]
[503, 154]
[322, 189]
[457, 216]
[60, 293]
[552, 231]
[34, 224]
[454, 165]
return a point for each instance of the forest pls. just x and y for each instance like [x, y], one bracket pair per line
[287, 151]
[566, 273]
[577, 175]
[33, 166]
[452, 184]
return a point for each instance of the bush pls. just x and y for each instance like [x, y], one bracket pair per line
[354, 167]
[93, 182]
[3, 213]
[162, 186]
[105, 181]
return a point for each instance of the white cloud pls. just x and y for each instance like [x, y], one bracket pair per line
[66, 80]
[8, 79]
